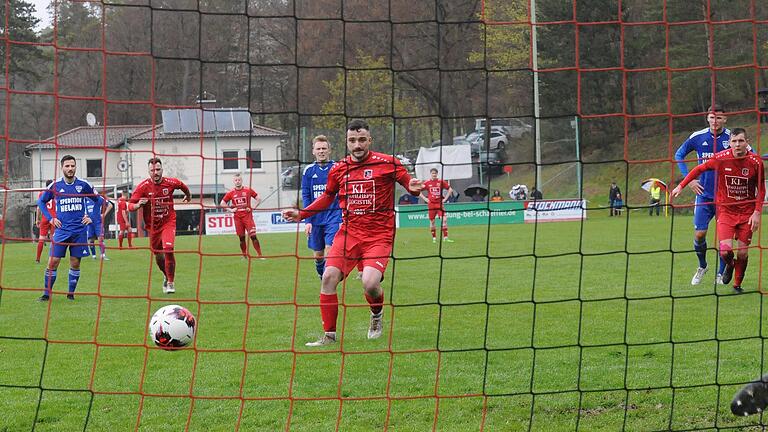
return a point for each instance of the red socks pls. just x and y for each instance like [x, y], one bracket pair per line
[170, 266]
[433, 231]
[739, 269]
[377, 303]
[329, 311]
[256, 244]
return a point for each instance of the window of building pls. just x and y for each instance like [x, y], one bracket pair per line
[230, 160]
[93, 168]
[253, 158]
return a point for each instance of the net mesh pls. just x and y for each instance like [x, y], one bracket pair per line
[589, 324]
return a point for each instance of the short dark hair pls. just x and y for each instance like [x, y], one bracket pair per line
[715, 108]
[433, 170]
[67, 158]
[739, 131]
[48, 182]
[155, 160]
[357, 124]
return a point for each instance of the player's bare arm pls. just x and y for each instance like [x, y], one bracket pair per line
[291, 215]
[696, 187]
[415, 186]
[223, 204]
[754, 221]
[187, 198]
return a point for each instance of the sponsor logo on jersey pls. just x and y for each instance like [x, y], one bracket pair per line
[314, 175]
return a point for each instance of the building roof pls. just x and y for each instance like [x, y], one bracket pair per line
[257, 131]
[92, 137]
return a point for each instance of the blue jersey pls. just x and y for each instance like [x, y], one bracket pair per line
[704, 144]
[94, 210]
[71, 202]
[313, 183]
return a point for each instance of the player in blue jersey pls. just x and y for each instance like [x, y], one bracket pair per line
[321, 227]
[71, 195]
[705, 142]
[96, 228]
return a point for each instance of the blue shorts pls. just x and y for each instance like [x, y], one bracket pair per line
[94, 230]
[76, 242]
[322, 236]
[703, 213]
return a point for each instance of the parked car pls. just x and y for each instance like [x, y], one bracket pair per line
[291, 177]
[514, 128]
[492, 161]
[498, 140]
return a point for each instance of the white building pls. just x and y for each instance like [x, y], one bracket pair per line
[201, 148]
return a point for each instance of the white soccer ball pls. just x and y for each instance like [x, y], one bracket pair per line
[172, 327]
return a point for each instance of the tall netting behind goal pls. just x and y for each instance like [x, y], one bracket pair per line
[549, 304]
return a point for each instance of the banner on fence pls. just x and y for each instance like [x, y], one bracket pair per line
[555, 210]
[266, 222]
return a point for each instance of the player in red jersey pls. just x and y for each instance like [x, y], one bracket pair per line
[123, 221]
[238, 202]
[739, 195]
[435, 200]
[45, 226]
[364, 182]
[155, 196]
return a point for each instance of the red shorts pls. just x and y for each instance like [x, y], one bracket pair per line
[436, 212]
[163, 238]
[45, 228]
[731, 226]
[347, 251]
[244, 223]
[124, 226]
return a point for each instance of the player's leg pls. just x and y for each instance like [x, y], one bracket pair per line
[702, 214]
[44, 228]
[432, 213]
[743, 238]
[240, 232]
[725, 233]
[90, 240]
[337, 265]
[120, 232]
[74, 275]
[444, 224]
[250, 226]
[168, 235]
[78, 248]
[375, 260]
[156, 246]
[102, 246]
[58, 249]
[316, 242]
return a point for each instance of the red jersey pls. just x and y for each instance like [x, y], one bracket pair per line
[435, 190]
[739, 182]
[241, 199]
[50, 205]
[122, 205]
[366, 194]
[159, 210]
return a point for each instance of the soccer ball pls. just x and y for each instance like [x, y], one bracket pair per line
[172, 326]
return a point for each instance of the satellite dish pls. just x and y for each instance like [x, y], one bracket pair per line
[90, 119]
[122, 166]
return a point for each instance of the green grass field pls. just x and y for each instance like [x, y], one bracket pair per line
[549, 327]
